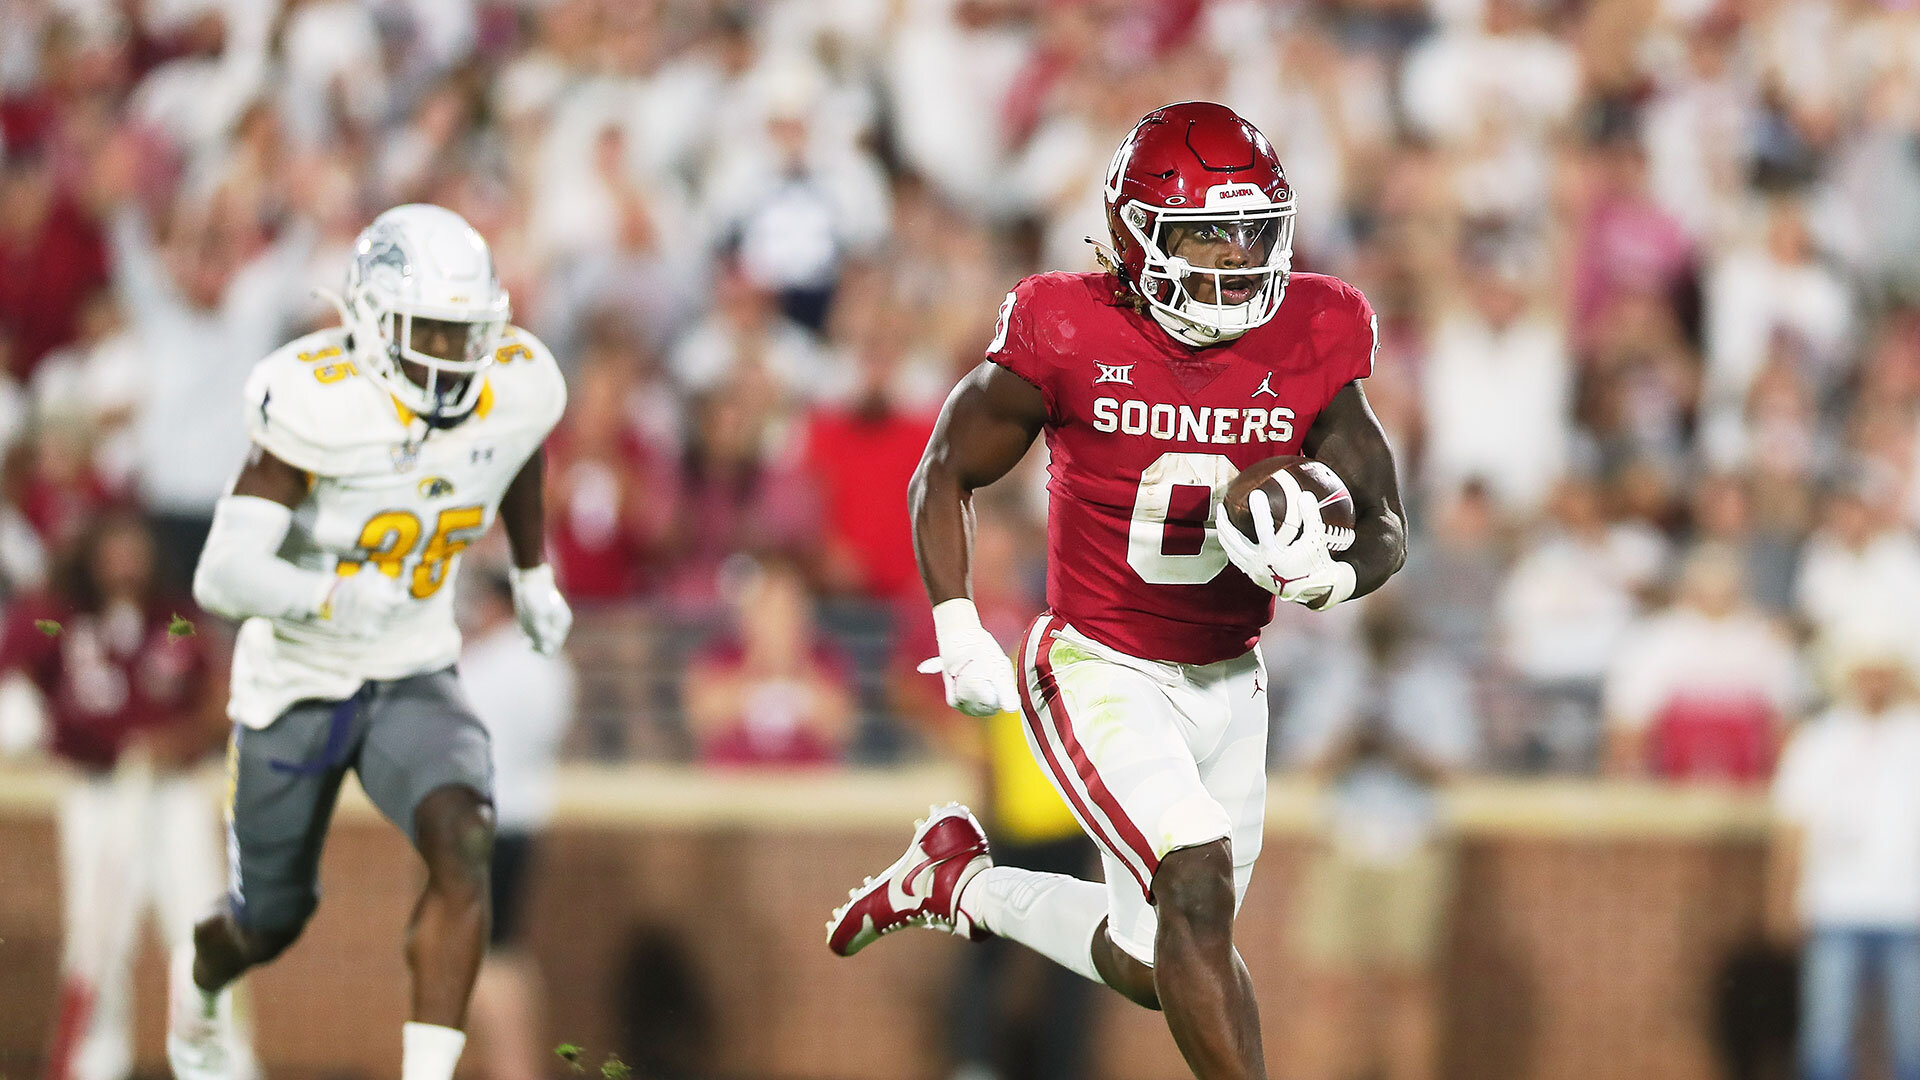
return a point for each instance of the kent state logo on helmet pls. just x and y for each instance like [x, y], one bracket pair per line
[1197, 170]
[424, 262]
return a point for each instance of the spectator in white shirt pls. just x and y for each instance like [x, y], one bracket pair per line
[949, 68]
[205, 305]
[1698, 691]
[794, 204]
[1697, 126]
[1505, 73]
[1562, 613]
[197, 97]
[1859, 560]
[331, 69]
[1771, 295]
[526, 701]
[746, 334]
[1498, 347]
[1845, 880]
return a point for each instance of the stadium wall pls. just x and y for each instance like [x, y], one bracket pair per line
[1589, 930]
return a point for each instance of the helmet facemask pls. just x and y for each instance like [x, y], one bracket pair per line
[431, 356]
[1262, 236]
[439, 389]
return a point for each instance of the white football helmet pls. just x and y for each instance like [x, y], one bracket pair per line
[424, 262]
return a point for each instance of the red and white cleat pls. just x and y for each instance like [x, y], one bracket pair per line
[921, 889]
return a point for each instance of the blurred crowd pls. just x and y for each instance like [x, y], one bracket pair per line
[1648, 276]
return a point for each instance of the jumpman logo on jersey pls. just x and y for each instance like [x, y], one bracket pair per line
[1266, 386]
[1122, 373]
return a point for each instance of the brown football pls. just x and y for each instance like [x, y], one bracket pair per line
[1314, 477]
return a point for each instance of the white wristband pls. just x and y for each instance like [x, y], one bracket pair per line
[954, 619]
[532, 577]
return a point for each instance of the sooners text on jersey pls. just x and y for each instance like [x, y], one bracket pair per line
[1146, 432]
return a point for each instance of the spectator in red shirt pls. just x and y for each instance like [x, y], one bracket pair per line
[50, 479]
[860, 456]
[52, 258]
[1627, 243]
[613, 492]
[735, 493]
[134, 701]
[1702, 690]
[773, 692]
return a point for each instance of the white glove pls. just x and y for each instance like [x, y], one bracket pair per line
[544, 614]
[975, 669]
[1302, 572]
[361, 605]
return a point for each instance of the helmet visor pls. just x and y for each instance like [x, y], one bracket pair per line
[1221, 270]
[452, 344]
[1225, 242]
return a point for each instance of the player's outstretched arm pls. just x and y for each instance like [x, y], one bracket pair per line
[985, 428]
[241, 573]
[543, 612]
[1348, 437]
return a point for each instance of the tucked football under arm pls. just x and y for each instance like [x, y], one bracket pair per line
[984, 430]
[1348, 437]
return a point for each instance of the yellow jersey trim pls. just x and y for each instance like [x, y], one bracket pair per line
[480, 408]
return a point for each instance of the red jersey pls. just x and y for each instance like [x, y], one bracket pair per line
[105, 678]
[1145, 433]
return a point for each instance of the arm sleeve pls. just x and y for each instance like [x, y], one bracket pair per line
[241, 572]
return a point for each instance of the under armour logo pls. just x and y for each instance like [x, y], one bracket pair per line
[1108, 373]
[1266, 386]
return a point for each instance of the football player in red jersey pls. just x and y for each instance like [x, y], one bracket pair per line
[1195, 356]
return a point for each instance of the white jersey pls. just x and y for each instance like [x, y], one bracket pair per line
[389, 495]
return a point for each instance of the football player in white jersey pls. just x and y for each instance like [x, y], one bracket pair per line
[381, 449]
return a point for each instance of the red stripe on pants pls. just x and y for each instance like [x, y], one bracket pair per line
[1102, 797]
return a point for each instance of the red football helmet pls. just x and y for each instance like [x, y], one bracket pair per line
[1195, 177]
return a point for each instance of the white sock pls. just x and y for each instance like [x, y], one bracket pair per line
[429, 1051]
[1052, 914]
